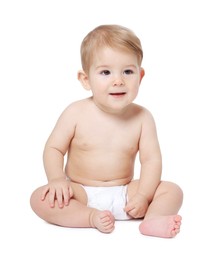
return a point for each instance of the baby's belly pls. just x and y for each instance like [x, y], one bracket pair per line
[100, 169]
[100, 176]
[99, 183]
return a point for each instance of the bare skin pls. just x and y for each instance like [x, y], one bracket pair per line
[101, 136]
[155, 222]
[102, 220]
[161, 226]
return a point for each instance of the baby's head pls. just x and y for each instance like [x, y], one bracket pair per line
[113, 36]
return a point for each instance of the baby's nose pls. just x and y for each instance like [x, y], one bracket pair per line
[118, 81]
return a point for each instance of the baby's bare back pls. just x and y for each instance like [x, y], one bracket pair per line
[103, 149]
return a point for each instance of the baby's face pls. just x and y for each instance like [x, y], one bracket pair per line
[114, 79]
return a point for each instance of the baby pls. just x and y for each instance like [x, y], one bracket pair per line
[101, 136]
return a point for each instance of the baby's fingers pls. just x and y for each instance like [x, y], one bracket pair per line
[67, 194]
[128, 208]
[71, 191]
[45, 190]
[59, 197]
[50, 193]
[51, 197]
[131, 212]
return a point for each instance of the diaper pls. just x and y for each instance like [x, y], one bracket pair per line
[108, 198]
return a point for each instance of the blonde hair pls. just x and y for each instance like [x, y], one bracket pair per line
[113, 36]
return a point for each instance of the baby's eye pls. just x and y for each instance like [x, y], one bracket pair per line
[105, 72]
[128, 72]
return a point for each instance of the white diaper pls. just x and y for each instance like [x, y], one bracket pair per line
[108, 198]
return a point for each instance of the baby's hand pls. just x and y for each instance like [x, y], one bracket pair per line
[137, 206]
[58, 189]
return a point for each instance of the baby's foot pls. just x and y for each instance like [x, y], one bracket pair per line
[102, 220]
[161, 226]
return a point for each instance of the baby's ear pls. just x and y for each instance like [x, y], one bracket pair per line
[142, 74]
[83, 78]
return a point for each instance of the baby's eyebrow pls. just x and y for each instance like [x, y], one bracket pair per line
[102, 65]
[107, 66]
[131, 65]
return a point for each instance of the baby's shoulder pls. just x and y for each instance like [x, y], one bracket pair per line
[141, 110]
[77, 106]
[74, 110]
[143, 115]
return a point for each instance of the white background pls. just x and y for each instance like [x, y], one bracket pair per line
[39, 60]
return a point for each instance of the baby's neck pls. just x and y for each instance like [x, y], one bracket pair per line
[110, 111]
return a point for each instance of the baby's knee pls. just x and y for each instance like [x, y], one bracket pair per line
[174, 189]
[35, 201]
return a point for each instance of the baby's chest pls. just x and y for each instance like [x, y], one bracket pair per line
[107, 138]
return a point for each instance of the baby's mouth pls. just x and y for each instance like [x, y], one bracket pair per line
[118, 94]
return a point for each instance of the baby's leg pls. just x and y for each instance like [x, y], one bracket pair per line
[76, 214]
[161, 218]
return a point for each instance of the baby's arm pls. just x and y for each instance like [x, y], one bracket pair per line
[58, 188]
[151, 168]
